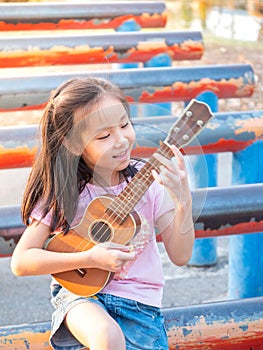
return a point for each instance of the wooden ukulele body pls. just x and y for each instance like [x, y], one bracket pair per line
[97, 226]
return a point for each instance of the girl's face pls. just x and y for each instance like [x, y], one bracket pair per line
[108, 139]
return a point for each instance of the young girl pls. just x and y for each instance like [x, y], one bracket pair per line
[87, 139]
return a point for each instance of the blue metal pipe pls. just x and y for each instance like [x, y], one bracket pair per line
[121, 42]
[216, 212]
[228, 325]
[129, 26]
[245, 277]
[205, 250]
[161, 60]
[226, 132]
[150, 85]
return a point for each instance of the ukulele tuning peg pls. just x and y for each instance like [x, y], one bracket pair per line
[200, 123]
[185, 137]
[189, 114]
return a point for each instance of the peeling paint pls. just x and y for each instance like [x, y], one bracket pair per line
[28, 338]
[249, 227]
[181, 91]
[250, 126]
[218, 335]
[21, 156]
[25, 108]
[144, 21]
[213, 329]
[84, 54]
[24, 155]
[7, 246]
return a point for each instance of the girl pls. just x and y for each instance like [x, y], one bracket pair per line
[87, 139]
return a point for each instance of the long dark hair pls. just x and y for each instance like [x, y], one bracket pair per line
[58, 175]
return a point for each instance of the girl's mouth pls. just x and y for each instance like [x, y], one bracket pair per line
[121, 156]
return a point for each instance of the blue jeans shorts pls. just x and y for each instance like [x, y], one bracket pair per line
[142, 325]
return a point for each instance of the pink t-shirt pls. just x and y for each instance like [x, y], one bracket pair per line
[142, 279]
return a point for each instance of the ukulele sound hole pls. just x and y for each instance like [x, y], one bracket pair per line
[100, 232]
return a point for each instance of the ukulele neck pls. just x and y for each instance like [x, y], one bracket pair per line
[125, 202]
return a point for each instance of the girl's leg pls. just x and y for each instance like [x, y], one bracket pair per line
[94, 327]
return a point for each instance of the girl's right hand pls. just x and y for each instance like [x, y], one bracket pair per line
[110, 256]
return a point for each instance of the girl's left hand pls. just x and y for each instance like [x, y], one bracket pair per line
[173, 175]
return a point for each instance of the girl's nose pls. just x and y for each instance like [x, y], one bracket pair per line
[120, 139]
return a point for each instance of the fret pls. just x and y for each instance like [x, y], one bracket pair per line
[165, 151]
[124, 203]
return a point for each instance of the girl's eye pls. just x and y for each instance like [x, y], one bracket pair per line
[125, 125]
[103, 137]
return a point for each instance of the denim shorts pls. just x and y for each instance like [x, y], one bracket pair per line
[142, 325]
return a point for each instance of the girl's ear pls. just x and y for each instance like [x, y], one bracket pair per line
[73, 147]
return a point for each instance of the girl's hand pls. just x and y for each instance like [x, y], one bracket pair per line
[176, 226]
[110, 256]
[173, 175]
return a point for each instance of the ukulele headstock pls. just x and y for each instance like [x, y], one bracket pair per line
[192, 120]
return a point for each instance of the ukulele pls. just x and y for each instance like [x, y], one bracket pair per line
[112, 218]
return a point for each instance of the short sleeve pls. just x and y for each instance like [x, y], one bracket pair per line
[163, 202]
[37, 215]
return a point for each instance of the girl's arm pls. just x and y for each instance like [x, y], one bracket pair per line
[176, 226]
[29, 257]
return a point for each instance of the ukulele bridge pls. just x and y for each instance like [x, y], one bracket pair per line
[81, 272]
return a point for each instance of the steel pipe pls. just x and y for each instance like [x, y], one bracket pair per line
[60, 49]
[81, 15]
[227, 325]
[226, 132]
[216, 212]
[221, 211]
[149, 85]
